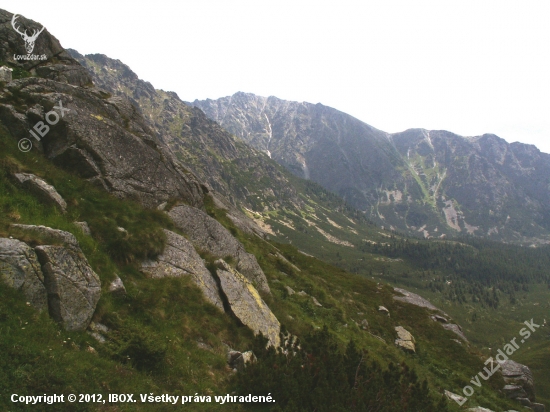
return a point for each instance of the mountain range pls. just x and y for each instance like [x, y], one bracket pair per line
[432, 183]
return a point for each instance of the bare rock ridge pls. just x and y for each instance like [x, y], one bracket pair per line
[230, 167]
[423, 182]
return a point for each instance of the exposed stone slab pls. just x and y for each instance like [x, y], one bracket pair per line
[49, 235]
[180, 259]
[456, 329]
[73, 287]
[42, 190]
[208, 234]
[520, 375]
[246, 303]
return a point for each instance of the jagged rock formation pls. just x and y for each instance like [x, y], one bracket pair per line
[246, 303]
[180, 259]
[208, 234]
[59, 273]
[20, 269]
[58, 66]
[424, 182]
[42, 190]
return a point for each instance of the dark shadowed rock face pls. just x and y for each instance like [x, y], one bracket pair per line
[424, 182]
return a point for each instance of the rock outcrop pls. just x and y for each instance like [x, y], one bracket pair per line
[180, 259]
[208, 234]
[456, 329]
[42, 190]
[57, 273]
[73, 287]
[414, 299]
[417, 300]
[20, 269]
[246, 303]
[101, 138]
[405, 340]
[49, 236]
[520, 384]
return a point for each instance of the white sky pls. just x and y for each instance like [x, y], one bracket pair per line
[470, 67]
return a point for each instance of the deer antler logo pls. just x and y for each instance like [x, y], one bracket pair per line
[29, 40]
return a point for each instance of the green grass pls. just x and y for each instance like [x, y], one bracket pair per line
[156, 327]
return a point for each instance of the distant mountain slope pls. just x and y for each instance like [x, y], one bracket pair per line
[232, 168]
[417, 181]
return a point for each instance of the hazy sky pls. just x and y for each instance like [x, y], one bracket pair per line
[471, 67]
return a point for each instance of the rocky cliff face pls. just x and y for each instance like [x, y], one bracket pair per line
[233, 169]
[101, 138]
[425, 182]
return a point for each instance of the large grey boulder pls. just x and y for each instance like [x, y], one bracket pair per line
[73, 287]
[20, 269]
[208, 234]
[42, 190]
[180, 259]
[246, 304]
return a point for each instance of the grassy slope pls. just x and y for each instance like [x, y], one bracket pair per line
[162, 320]
[492, 327]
